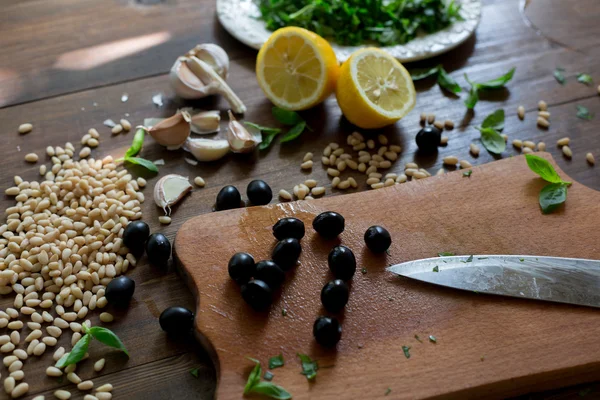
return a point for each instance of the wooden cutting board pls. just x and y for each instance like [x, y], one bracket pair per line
[487, 346]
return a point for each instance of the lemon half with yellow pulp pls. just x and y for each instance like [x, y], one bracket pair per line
[374, 89]
[296, 69]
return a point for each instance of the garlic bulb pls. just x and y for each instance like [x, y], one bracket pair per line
[239, 138]
[207, 149]
[172, 132]
[205, 122]
[214, 56]
[169, 190]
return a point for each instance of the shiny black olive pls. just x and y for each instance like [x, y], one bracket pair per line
[342, 262]
[428, 139]
[327, 331]
[286, 253]
[329, 224]
[135, 235]
[229, 197]
[176, 320]
[270, 273]
[288, 228]
[241, 267]
[334, 295]
[257, 294]
[120, 290]
[378, 239]
[158, 249]
[259, 193]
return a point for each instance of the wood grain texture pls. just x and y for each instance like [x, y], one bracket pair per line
[487, 346]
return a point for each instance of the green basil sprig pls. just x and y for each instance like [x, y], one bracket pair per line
[443, 79]
[490, 135]
[254, 384]
[103, 335]
[555, 193]
[496, 83]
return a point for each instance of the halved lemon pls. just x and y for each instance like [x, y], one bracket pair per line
[296, 68]
[374, 89]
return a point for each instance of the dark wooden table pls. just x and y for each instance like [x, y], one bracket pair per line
[66, 63]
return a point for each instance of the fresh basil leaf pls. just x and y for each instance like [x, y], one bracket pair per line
[495, 120]
[108, 337]
[294, 132]
[76, 353]
[149, 165]
[447, 82]
[309, 367]
[276, 362]
[498, 82]
[584, 113]
[559, 75]
[472, 98]
[254, 377]
[422, 73]
[268, 376]
[467, 173]
[552, 196]
[264, 129]
[194, 372]
[445, 254]
[271, 390]
[432, 339]
[436, 269]
[543, 168]
[267, 139]
[406, 349]
[492, 141]
[136, 144]
[286, 117]
[585, 79]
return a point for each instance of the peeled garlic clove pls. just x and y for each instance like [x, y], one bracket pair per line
[205, 122]
[240, 140]
[214, 56]
[169, 190]
[207, 149]
[172, 132]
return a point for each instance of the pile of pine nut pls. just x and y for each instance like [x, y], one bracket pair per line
[59, 248]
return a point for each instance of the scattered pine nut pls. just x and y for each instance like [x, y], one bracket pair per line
[388, 182]
[85, 385]
[352, 164]
[73, 378]
[358, 136]
[341, 166]
[335, 182]
[125, 124]
[465, 164]
[375, 175]
[527, 150]
[343, 185]
[307, 164]
[529, 143]
[18, 376]
[338, 152]
[382, 139]
[542, 122]
[25, 128]
[590, 158]
[423, 118]
[99, 365]
[372, 168]
[334, 146]
[164, 219]
[85, 152]
[333, 172]
[325, 160]
[9, 384]
[310, 183]
[62, 394]
[566, 150]
[385, 164]
[19, 390]
[521, 112]
[43, 169]
[308, 156]
[371, 144]
[285, 195]
[327, 151]
[332, 159]
[372, 181]
[395, 148]
[450, 160]
[474, 149]
[58, 353]
[92, 143]
[53, 371]
[542, 106]
[377, 185]
[439, 125]
[117, 129]
[318, 191]
[359, 146]
[107, 387]
[420, 175]
[90, 397]
[517, 143]
[309, 197]
[505, 137]
[448, 124]
[391, 175]
[410, 171]
[106, 317]
[541, 146]
[544, 114]
[31, 157]
[401, 178]
[563, 141]
[94, 133]
[444, 140]
[352, 182]
[362, 167]
[431, 118]
[199, 181]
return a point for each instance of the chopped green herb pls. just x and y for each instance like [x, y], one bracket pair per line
[363, 270]
[495, 120]
[584, 113]
[418, 339]
[254, 385]
[552, 196]
[276, 362]
[283, 312]
[194, 372]
[406, 349]
[309, 367]
[482, 258]
[559, 75]
[268, 376]
[543, 168]
[388, 391]
[585, 79]
[445, 254]
[436, 269]
[422, 73]
[432, 339]
[492, 140]
[135, 149]
[467, 173]
[470, 259]
[447, 82]
[521, 259]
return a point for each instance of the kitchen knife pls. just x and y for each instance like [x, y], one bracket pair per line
[561, 280]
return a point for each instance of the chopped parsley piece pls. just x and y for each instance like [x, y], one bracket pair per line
[194, 372]
[584, 113]
[268, 376]
[585, 79]
[436, 269]
[468, 173]
[470, 259]
[388, 391]
[406, 349]
[276, 362]
[309, 367]
[364, 271]
[283, 312]
[559, 75]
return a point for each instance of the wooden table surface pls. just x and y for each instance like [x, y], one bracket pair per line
[66, 63]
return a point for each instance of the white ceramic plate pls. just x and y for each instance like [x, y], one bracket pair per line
[240, 19]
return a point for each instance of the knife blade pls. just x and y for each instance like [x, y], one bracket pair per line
[556, 279]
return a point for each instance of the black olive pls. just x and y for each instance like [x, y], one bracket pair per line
[286, 253]
[259, 193]
[378, 239]
[158, 249]
[428, 139]
[120, 290]
[327, 331]
[342, 263]
[334, 295]
[288, 228]
[229, 197]
[329, 224]
[241, 267]
[176, 320]
[270, 273]
[135, 235]
[257, 294]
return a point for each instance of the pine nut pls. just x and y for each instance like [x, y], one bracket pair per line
[335, 182]
[411, 165]
[16, 366]
[444, 140]
[325, 160]
[18, 375]
[563, 141]
[370, 144]
[20, 390]
[308, 156]
[334, 146]
[352, 164]
[31, 157]
[285, 195]
[371, 169]
[527, 150]
[21, 354]
[431, 118]
[58, 353]
[544, 114]
[358, 136]
[411, 171]
[16, 325]
[89, 397]
[382, 139]
[307, 164]
[375, 175]
[318, 191]
[85, 152]
[49, 340]
[8, 360]
[389, 182]
[338, 152]
[9, 384]
[54, 331]
[590, 158]
[73, 378]
[125, 124]
[164, 219]
[70, 368]
[92, 143]
[529, 143]
[310, 183]
[53, 371]
[542, 106]
[385, 164]
[62, 394]
[541, 146]
[341, 166]
[343, 185]
[517, 143]
[542, 122]
[396, 148]
[465, 164]
[439, 125]
[25, 128]
[450, 160]
[333, 172]
[107, 387]
[521, 112]
[15, 338]
[567, 151]
[372, 181]
[423, 118]
[327, 151]
[474, 149]
[401, 178]
[117, 129]
[352, 182]
[390, 155]
[448, 124]
[362, 167]
[85, 385]
[419, 175]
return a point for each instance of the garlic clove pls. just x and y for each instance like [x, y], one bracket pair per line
[213, 55]
[205, 122]
[207, 149]
[185, 84]
[172, 132]
[239, 138]
[169, 190]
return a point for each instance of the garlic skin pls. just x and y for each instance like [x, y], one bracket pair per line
[172, 132]
[239, 138]
[169, 190]
[206, 122]
[213, 55]
[207, 149]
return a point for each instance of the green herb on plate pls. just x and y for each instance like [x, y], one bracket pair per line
[585, 79]
[446, 254]
[584, 113]
[432, 339]
[309, 367]
[254, 385]
[276, 362]
[559, 75]
[555, 193]
[467, 173]
[406, 349]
